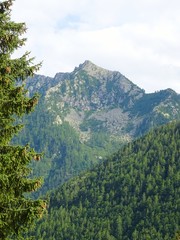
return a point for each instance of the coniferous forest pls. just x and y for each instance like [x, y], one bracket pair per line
[17, 212]
[132, 195]
[104, 179]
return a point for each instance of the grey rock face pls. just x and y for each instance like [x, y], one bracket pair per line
[95, 99]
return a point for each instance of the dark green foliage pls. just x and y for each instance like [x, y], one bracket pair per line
[64, 155]
[16, 211]
[98, 111]
[132, 195]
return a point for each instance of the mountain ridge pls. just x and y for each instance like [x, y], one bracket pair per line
[80, 119]
[90, 89]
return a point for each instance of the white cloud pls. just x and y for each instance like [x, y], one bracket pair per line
[141, 39]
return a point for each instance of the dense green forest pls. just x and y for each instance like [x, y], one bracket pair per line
[17, 213]
[81, 118]
[85, 115]
[64, 155]
[132, 195]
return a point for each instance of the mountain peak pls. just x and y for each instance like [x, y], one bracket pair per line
[170, 91]
[91, 68]
[88, 64]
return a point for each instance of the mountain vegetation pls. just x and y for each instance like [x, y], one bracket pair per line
[16, 211]
[64, 155]
[92, 99]
[87, 114]
[132, 195]
[82, 117]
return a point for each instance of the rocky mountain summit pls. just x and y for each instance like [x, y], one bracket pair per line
[95, 99]
[85, 115]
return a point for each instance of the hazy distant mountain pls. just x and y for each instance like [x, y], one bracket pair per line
[132, 195]
[86, 115]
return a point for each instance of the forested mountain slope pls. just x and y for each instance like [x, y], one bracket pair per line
[64, 155]
[86, 115]
[132, 195]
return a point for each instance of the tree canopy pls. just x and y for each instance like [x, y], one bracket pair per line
[16, 211]
[132, 195]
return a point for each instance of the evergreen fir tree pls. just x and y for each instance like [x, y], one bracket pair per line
[16, 211]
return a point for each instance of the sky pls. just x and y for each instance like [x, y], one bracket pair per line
[140, 39]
